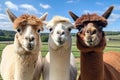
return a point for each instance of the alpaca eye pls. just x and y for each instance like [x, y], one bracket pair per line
[80, 29]
[69, 29]
[94, 32]
[50, 29]
[63, 33]
[19, 30]
[38, 31]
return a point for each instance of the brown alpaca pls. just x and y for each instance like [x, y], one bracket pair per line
[91, 43]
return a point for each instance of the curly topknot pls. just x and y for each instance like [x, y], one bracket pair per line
[91, 18]
[26, 19]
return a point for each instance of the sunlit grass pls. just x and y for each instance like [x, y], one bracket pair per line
[112, 45]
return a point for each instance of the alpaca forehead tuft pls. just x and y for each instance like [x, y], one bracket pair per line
[28, 31]
[26, 19]
[58, 19]
[60, 27]
[91, 18]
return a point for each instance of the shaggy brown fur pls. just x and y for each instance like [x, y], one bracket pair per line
[26, 19]
[83, 48]
[91, 18]
[94, 64]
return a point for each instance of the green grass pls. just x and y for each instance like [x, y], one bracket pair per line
[1, 48]
[113, 45]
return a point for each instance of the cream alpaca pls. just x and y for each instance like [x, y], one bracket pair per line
[22, 60]
[59, 63]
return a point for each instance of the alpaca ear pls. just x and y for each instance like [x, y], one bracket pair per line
[11, 15]
[43, 17]
[75, 17]
[72, 26]
[45, 23]
[108, 12]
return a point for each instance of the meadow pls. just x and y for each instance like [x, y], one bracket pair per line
[113, 44]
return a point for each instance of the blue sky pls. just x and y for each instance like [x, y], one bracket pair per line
[59, 7]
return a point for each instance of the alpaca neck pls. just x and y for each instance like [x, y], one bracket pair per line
[24, 66]
[92, 66]
[60, 64]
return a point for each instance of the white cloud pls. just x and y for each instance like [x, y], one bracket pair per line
[117, 7]
[26, 8]
[88, 11]
[45, 6]
[5, 24]
[70, 1]
[114, 17]
[29, 8]
[3, 17]
[0, 7]
[99, 3]
[11, 5]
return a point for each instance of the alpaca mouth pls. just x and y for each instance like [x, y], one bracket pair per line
[91, 43]
[60, 42]
[30, 47]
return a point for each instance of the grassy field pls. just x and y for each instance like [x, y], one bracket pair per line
[112, 45]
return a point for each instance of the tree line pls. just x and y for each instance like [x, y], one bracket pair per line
[9, 35]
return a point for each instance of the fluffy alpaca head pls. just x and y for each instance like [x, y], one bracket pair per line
[60, 28]
[28, 28]
[90, 27]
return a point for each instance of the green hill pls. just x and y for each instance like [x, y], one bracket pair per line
[9, 35]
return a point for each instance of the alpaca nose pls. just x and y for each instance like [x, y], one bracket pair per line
[60, 40]
[91, 32]
[30, 39]
[62, 33]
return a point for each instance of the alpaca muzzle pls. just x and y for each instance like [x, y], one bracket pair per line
[30, 46]
[60, 40]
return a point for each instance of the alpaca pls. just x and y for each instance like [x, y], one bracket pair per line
[91, 42]
[22, 60]
[59, 63]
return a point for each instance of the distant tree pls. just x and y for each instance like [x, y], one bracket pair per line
[1, 33]
[44, 37]
[9, 35]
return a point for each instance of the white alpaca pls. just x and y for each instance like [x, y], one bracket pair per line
[59, 63]
[22, 60]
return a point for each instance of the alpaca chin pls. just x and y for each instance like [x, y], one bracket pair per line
[29, 49]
